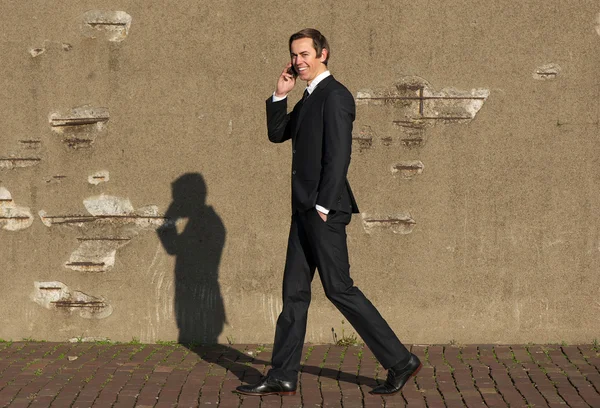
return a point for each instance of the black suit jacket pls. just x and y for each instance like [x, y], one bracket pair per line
[321, 133]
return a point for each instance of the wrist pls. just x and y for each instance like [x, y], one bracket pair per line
[321, 209]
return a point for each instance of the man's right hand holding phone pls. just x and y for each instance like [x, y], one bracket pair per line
[286, 81]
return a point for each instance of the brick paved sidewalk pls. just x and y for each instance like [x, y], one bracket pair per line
[38, 374]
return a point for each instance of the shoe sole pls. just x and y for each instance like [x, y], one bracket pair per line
[417, 370]
[262, 394]
[396, 392]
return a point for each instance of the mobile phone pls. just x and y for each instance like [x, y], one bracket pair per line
[292, 71]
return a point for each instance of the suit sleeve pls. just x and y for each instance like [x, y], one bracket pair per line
[338, 115]
[278, 121]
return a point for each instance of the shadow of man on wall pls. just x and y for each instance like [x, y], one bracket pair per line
[194, 233]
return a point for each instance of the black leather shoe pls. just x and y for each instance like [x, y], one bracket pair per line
[396, 378]
[268, 386]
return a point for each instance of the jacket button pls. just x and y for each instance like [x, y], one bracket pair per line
[294, 151]
[294, 172]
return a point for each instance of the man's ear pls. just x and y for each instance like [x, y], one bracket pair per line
[324, 53]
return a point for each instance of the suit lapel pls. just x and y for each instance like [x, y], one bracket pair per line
[314, 96]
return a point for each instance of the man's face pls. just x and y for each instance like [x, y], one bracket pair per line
[305, 60]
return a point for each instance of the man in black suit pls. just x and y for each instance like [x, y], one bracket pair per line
[320, 127]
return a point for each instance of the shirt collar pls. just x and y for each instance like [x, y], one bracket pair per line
[316, 81]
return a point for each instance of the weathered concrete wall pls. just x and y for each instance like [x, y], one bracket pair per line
[140, 197]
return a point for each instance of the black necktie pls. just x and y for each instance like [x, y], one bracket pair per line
[305, 95]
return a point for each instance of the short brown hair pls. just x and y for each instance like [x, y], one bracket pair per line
[319, 41]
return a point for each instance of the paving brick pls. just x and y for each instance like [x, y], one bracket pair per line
[39, 375]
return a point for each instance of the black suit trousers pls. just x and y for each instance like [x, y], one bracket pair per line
[316, 244]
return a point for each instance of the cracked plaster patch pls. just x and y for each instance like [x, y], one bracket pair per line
[99, 177]
[111, 224]
[25, 155]
[12, 216]
[400, 223]
[57, 296]
[546, 72]
[35, 52]
[408, 169]
[113, 25]
[417, 105]
[79, 126]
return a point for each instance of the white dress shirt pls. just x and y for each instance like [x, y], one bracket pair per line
[310, 88]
